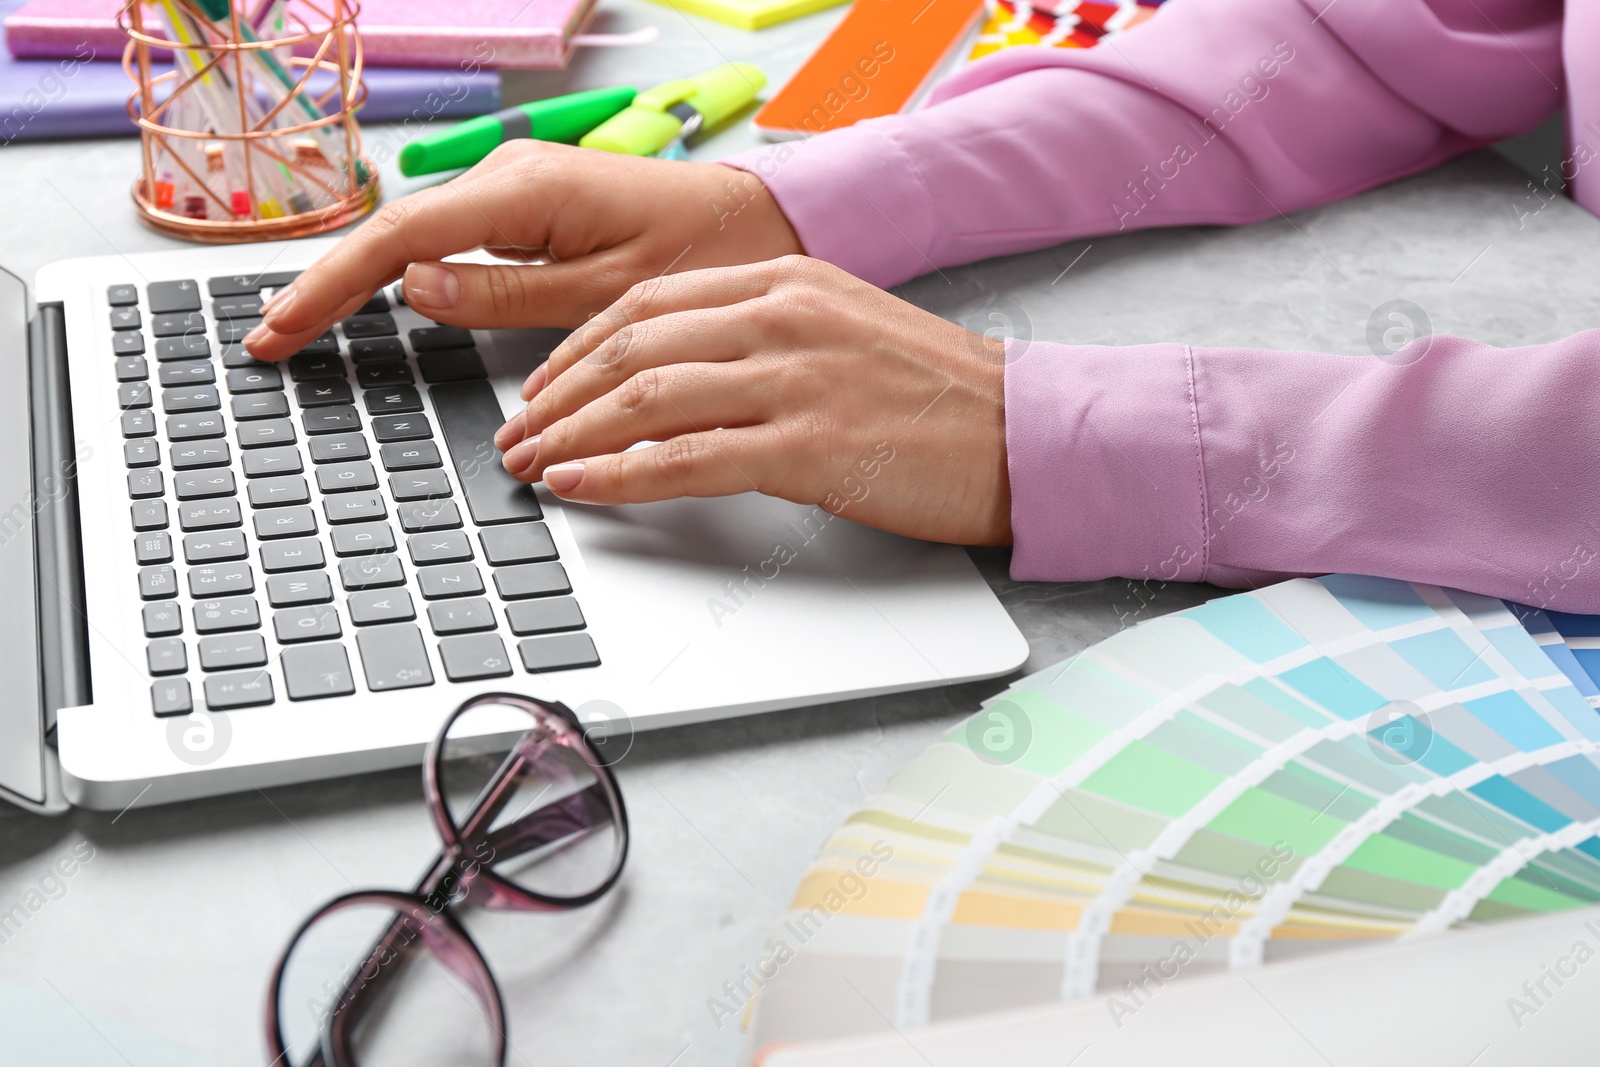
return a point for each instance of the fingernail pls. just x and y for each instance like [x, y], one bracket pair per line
[522, 456]
[430, 285]
[511, 432]
[256, 335]
[563, 477]
[281, 299]
[535, 382]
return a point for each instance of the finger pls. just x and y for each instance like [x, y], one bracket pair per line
[662, 295]
[714, 335]
[653, 405]
[282, 346]
[506, 296]
[718, 463]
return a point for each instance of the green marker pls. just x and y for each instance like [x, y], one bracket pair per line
[560, 118]
[677, 110]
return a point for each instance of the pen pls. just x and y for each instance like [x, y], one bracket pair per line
[677, 109]
[560, 118]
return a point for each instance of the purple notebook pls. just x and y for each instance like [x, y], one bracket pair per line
[42, 99]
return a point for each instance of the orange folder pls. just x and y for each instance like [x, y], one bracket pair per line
[873, 63]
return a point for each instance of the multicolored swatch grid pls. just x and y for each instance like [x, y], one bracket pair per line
[1295, 769]
[1064, 24]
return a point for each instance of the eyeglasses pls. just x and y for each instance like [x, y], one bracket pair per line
[531, 819]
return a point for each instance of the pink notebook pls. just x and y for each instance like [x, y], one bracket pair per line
[394, 33]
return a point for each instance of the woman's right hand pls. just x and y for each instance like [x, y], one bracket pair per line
[598, 221]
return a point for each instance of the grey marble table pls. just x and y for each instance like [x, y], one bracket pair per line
[157, 950]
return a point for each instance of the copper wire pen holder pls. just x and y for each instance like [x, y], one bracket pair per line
[312, 36]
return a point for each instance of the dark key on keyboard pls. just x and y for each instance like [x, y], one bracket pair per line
[210, 514]
[336, 419]
[173, 296]
[544, 616]
[233, 331]
[326, 345]
[383, 375]
[446, 546]
[153, 548]
[558, 652]
[128, 343]
[149, 515]
[132, 369]
[371, 572]
[396, 400]
[185, 346]
[187, 372]
[314, 622]
[145, 483]
[372, 606]
[361, 538]
[454, 579]
[234, 355]
[380, 325]
[215, 546]
[300, 554]
[241, 284]
[122, 295]
[226, 613]
[335, 447]
[527, 542]
[254, 379]
[138, 423]
[419, 485]
[264, 433]
[393, 657]
[474, 656]
[196, 427]
[377, 350]
[469, 415]
[237, 307]
[314, 671]
[292, 590]
[126, 318]
[346, 477]
[279, 492]
[197, 485]
[322, 393]
[463, 365]
[285, 522]
[141, 453]
[170, 696]
[163, 619]
[399, 427]
[439, 513]
[178, 324]
[376, 304]
[311, 368]
[198, 398]
[272, 405]
[217, 579]
[264, 462]
[190, 456]
[460, 616]
[434, 338]
[244, 689]
[133, 395]
[230, 651]
[157, 583]
[412, 455]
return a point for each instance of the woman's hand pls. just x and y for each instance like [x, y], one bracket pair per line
[788, 377]
[604, 221]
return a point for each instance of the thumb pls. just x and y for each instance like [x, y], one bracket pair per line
[513, 296]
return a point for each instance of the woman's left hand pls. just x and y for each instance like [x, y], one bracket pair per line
[788, 377]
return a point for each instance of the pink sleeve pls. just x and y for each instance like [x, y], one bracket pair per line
[1214, 111]
[1449, 462]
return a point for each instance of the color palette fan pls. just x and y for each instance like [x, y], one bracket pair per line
[1312, 765]
[1064, 24]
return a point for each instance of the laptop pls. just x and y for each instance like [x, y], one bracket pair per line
[226, 575]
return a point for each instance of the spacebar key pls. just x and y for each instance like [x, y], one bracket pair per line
[469, 415]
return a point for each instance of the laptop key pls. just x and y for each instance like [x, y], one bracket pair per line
[544, 616]
[474, 656]
[453, 579]
[380, 605]
[141, 422]
[265, 462]
[346, 477]
[401, 427]
[527, 542]
[558, 652]
[326, 345]
[461, 365]
[215, 547]
[243, 284]
[197, 426]
[149, 514]
[273, 405]
[310, 367]
[411, 455]
[153, 548]
[132, 369]
[375, 304]
[203, 454]
[446, 546]
[184, 346]
[145, 482]
[126, 318]
[162, 619]
[157, 583]
[314, 622]
[303, 553]
[460, 616]
[438, 513]
[323, 393]
[170, 696]
[396, 400]
[377, 350]
[380, 325]
[264, 432]
[469, 414]
[334, 447]
[285, 522]
[335, 419]
[187, 372]
[197, 485]
[128, 343]
[313, 671]
[234, 355]
[226, 652]
[383, 375]
[254, 379]
[221, 614]
[362, 538]
[434, 338]
[173, 296]
[220, 578]
[353, 507]
[198, 398]
[419, 485]
[122, 295]
[393, 657]
[244, 689]
[293, 590]
[141, 453]
[242, 306]
[279, 492]
[371, 572]
[176, 324]
[210, 514]
[232, 331]
[133, 395]
[166, 655]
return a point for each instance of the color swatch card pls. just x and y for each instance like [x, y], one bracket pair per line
[1064, 24]
[1276, 773]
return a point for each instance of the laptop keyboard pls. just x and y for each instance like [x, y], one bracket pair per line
[317, 502]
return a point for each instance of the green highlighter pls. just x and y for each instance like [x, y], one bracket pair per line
[560, 118]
